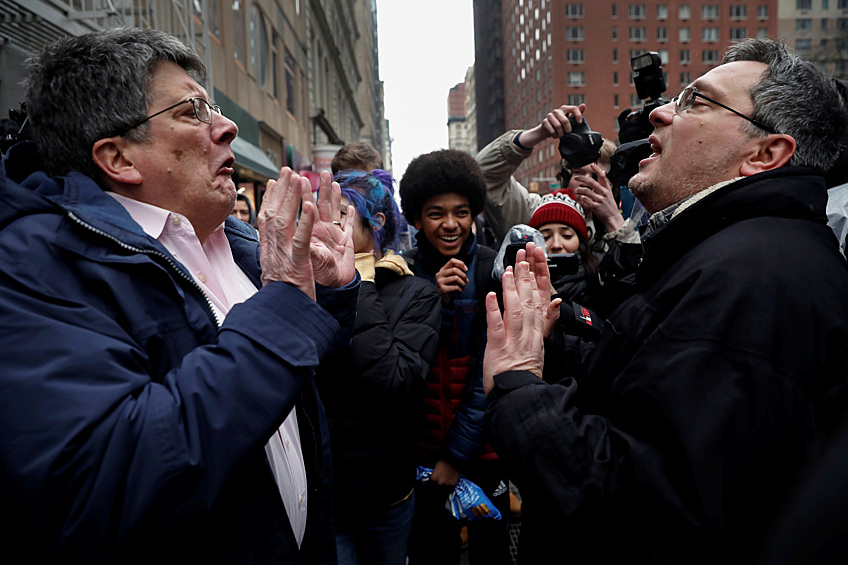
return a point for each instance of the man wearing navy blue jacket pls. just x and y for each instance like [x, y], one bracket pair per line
[157, 363]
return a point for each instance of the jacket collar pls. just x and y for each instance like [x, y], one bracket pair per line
[25, 189]
[788, 192]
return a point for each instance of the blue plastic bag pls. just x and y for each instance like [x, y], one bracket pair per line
[467, 501]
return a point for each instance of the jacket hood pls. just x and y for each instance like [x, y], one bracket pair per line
[25, 190]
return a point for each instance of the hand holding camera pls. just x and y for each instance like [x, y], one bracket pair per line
[595, 196]
[555, 125]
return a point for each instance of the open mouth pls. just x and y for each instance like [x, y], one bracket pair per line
[656, 148]
[227, 166]
[449, 238]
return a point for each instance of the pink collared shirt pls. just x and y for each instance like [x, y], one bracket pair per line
[225, 285]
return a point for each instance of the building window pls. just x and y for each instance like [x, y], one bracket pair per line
[841, 24]
[615, 55]
[662, 12]
[574, 33]
[737, 33]
[635, 100]
[574, 10]
[824, 24]
[275, 41]
[762, 33]
[615, 100]
[710, 56]
[638, 34]
[842, 4]
[709, 12]
[684, 12]
[803, 24]
[290, 89]
[825, 4]
[662, 34]
[709, 34]
[684, 34]
[663, 53]
[576, 78]
[615, 78]
[238, 28]
[614, 33]
[614, 11]
[738, 12]
[576, 99]
[685, 78]
[576, 56]
[803, 44]
[841, 44]
[685, 57]
[637, 12]
[258, 40]
[803, 4]
[214, 16]
[762, 12]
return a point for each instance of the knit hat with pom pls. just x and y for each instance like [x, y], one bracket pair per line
[560, 207]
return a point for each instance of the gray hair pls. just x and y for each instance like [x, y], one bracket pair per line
[797, 98]
[86, 88]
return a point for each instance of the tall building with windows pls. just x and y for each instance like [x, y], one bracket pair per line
[573, 52]
[295, 77]
[489, 70]
[818, 30]
[457, 121]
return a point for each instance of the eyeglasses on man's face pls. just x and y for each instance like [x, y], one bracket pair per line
[686, 99]
[202, 111]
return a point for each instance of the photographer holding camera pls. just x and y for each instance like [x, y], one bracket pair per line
[585, 154]
[509, 203]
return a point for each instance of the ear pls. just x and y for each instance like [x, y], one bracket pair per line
[113, 156]
[417, 223]
[771, 152]
[381, 218]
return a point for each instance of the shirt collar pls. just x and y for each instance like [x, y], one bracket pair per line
[152, 219]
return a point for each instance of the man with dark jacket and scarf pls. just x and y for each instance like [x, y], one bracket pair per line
[725, 370]
[158, 398]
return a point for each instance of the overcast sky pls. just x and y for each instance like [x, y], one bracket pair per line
[425, 49]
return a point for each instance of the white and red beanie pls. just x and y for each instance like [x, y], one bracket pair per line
[560, 207]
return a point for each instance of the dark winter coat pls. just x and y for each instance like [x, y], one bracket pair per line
[133, 425]
[454, 401]
[706, 392]
[373, 392]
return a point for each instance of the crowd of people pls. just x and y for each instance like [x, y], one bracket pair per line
[185, 378]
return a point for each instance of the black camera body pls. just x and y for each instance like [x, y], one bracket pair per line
[635, 126]
[581, 145]
[650, 84]
[559, 264]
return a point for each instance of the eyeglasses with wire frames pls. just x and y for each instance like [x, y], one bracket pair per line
[202, 111]
[686, 99]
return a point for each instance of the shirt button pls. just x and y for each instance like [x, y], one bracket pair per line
[176, 220]
[301, 499]
[202, 277]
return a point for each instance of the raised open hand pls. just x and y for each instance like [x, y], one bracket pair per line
[332, 240]
[284, 243]
[516, 338]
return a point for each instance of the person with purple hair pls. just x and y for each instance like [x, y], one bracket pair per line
[373, 390]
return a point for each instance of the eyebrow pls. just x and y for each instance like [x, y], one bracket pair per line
[436, 207]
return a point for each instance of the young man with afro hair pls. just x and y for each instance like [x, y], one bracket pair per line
[441, 194]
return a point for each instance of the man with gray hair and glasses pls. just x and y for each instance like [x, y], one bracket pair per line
[681, 436]
[157, 363]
